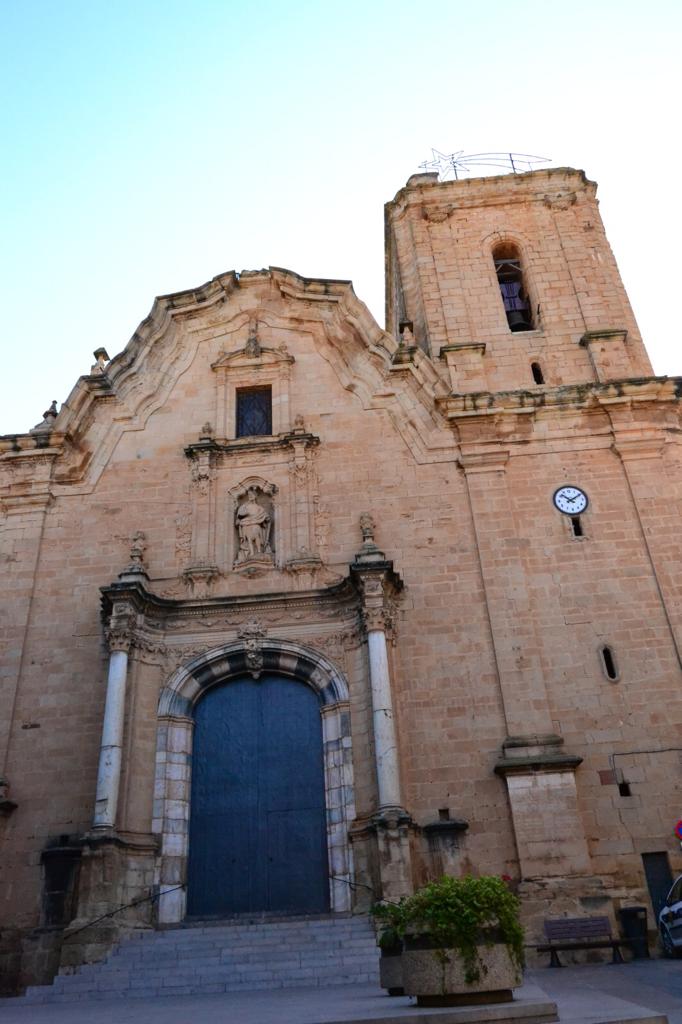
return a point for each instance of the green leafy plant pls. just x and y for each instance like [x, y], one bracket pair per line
[464, 914]
[390, 919]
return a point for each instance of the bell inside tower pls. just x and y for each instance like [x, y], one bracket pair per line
[514, 295]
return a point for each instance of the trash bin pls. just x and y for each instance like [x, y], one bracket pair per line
[633, 921]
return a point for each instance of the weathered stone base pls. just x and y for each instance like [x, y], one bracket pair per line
[117, 878]
[28, 958]
[440, 974]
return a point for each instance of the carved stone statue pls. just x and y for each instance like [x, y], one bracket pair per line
[367, 526]
[136, 569]
[254, 524]
[138, 547]
[252, 347]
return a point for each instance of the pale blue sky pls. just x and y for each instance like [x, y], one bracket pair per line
[148, 146]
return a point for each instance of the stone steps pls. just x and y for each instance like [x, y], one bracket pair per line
[226, 957]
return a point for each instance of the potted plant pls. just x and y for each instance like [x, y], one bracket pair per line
[462, 942]
[390, 930]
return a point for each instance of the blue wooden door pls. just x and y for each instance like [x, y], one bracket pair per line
[257, 837]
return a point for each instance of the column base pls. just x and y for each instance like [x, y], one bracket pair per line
[394, 827]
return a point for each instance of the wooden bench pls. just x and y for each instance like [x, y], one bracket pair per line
[564, 933]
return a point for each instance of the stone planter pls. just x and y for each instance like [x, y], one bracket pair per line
[436, 977]
[391, 970]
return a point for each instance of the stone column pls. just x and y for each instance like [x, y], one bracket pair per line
[109, 772]
[385, 743]
[119, 638]
[391, 823]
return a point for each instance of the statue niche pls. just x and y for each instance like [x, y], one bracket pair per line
[254, 522]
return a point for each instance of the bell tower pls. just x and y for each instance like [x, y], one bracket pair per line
[566, 449]
[510, 280]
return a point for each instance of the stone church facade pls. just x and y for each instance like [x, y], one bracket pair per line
[298, 612]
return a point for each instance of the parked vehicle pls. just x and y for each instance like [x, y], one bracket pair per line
[670, 920]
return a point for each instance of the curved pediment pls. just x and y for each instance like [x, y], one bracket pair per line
[242, 322]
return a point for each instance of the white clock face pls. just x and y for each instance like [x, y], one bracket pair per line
[570, 500]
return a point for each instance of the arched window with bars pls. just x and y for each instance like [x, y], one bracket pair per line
[509, 271]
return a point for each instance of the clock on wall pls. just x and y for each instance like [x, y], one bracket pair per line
[570, 500]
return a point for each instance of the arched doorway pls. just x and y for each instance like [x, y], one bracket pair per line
[183, 693]
[257, 839]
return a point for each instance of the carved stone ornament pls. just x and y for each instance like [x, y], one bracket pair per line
[200, 579]
[367, 525]
[99, 367]
[252, 347]
[136, 568]
[202, 469]
[252, 635]
[369, 552]
[118, 638]
[253, 519]
[379, 605]
[122, 623]
[47, 422]
[560, 201]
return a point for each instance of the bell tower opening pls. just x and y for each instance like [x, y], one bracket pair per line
[508, 269]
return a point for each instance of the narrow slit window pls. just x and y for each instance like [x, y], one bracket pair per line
[624, 789]
[609, 662]
[577, 526]
[254, 412]
[507, 259]
[538, 375]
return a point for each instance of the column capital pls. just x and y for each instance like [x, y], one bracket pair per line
[117, 641]
[376, 581]
[120, 628]
[378, 587]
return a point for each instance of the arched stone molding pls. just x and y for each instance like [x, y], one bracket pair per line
[172, 786]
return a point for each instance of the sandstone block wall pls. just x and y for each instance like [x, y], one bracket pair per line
[505, 716]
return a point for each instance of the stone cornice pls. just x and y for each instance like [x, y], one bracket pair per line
[485, 461]
[608, 334]
[29, 446]
[167, 612]
[430, 194]
[569, 396]
[537, 763]
[474, 346]
[252, 444]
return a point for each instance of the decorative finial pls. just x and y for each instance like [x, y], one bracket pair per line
[137, 567]
[49, 416]
[369, 553]
[406, 335]
[100, 366]
[367, 525]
